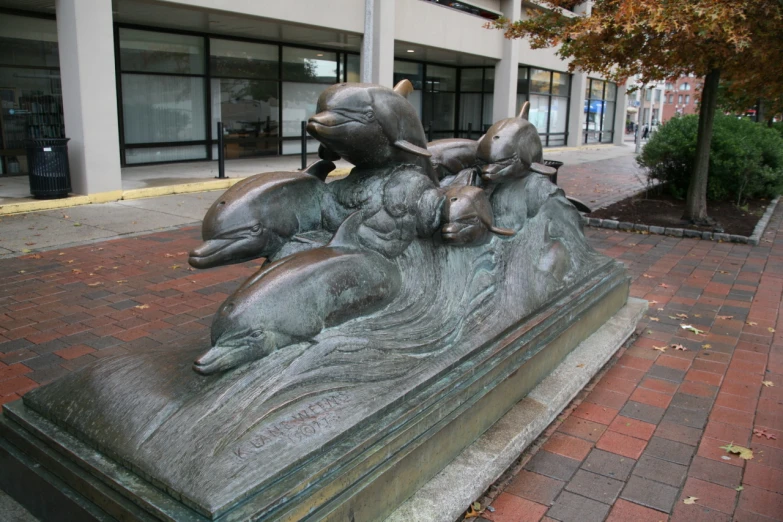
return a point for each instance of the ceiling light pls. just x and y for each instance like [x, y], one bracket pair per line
[320, 54]
[411, 51]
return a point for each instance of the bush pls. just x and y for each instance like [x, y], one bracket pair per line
[746, 158]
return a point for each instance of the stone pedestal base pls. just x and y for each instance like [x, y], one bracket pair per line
[61, 467]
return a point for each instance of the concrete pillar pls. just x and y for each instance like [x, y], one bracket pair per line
[621, 103]
[504, 104]
[576, 110]
[86, 40]
[377, 65]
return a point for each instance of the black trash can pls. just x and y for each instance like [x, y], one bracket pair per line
[47, 161]
[555, 165]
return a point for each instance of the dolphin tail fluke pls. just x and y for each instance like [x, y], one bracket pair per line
[403, 88]
[543, 169]
[347, 234]
[320, 169]
[525, 112]
[413, 149]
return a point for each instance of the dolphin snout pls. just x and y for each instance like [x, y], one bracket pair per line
[205, 255]
[209, 362]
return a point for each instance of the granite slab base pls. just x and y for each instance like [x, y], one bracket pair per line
[341, 463]
[447, 495]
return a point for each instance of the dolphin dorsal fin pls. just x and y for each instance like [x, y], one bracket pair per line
[525, 112]
[403, 88]
[320, 169]
[413, 149]
[347, 234]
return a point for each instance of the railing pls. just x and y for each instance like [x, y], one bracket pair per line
[468, 8]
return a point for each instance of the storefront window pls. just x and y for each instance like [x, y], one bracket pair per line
[600, 111]
[148, 51]
[233, 59]
[477, 85]
[249, 111]
[548, 93]
[307, 65]
[30, 97]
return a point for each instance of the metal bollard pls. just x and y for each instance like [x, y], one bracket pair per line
[221, 152]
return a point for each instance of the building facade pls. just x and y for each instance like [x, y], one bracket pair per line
[135, 82]
[681, 97]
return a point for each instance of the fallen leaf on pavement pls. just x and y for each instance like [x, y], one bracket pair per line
[770, 329]
[682, 316]
[751, 323]
[692, 329]
[768, 384]
[743, 452]
[660, 309]
[653, 302]
[168, 255]
[647, 276]
[654, 319]
[663, 285]
[724, 317]
[679, 347]
[142, 307]
[580, 365]
[94, 284]
[660, 348]
[706, 346]
[739, 488]
[690, 500]
[764, 433]
[174, 267]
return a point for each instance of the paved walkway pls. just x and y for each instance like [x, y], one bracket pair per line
[642, 439]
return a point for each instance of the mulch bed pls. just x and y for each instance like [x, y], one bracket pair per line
[655, 207]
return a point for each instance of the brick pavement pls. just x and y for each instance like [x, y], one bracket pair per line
[643, 437]
[647, 433]
[600, 183]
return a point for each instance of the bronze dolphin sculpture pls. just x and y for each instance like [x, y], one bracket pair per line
[370, 126]
[293, 299]
[257, 216]
[467, 216]
[511, 149]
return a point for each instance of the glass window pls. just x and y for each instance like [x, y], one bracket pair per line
[159, 154]
[558, 114]
[611, 91]
[148, 51]
[597, 90]
[28, 42]
[657, 95]
[687, 98]
[441, 78]
[489, 79]
[540, 80]
[351, 73]
[160, 109]
[439, 110]
[471, 80]
[679, 98]
[607, 122]
[560, 83]
[243, 59]
[470, 112]
[305, 65]
[648, 95]
[521, 99]
[410, 71]
[489, 100]
[299, 102]
[522, 83]
[249, 110]
[539, 112]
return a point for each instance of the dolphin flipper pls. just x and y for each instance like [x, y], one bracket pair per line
[320, 169]
[413, 149]
[543, 169]
[581, 207]
[347, 234]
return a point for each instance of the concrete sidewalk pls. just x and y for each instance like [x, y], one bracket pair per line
[598, 175]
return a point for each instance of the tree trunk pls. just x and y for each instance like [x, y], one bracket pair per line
[696, 202]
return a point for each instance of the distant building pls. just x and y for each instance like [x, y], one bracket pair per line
[681, 97]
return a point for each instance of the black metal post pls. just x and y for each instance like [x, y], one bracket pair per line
[304, 145]
[470, 131]
[221, 152]
[429, 132]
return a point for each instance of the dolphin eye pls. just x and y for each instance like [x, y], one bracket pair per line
[370, 115]
[256, 334]
[256, 227]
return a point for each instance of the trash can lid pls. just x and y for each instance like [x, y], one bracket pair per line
[46, 142]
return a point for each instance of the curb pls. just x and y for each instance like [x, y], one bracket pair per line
[37, 205]
[626, 226]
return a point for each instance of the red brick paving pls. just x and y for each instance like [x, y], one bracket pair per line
[712, 393]
[72, 306]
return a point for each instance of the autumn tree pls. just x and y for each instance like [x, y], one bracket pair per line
[737, 40]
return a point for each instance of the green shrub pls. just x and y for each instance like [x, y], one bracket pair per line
[746, 158]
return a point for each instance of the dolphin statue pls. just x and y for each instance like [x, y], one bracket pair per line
[452, 156]
[511, 149]
[259, 215]
[467, 214]
[370, 126]
[292, 300]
